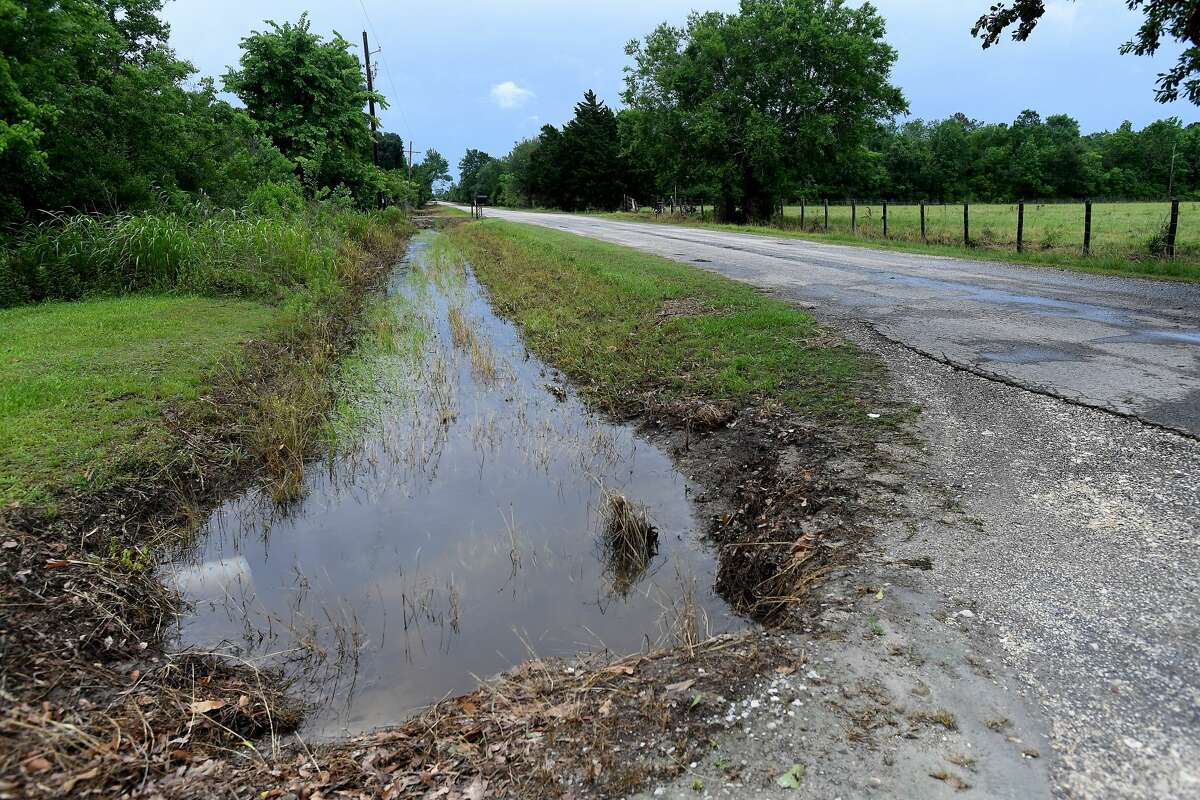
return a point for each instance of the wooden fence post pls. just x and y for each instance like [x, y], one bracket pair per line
[1087, 228]
[801, 213]
[967, 224]
[827, 215]
[923, 238]
[1173, 229]
[885, 229]
[853, 217]
[1021, 227]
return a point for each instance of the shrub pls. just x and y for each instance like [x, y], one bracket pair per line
[277, 199]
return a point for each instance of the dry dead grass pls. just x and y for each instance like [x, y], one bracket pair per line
[546, 729]
[629, 542]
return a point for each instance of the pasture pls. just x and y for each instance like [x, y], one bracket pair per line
[1134, 231]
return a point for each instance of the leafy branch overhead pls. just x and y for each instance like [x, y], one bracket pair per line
[1173, 19]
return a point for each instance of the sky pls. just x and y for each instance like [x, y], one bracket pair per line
[488, 73]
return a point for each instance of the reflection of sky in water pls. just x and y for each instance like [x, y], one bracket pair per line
[447, 551]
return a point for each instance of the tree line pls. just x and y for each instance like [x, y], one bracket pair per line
[788, 99]
[97, 113]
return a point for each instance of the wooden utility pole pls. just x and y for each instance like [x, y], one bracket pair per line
[371, 100]
[410, 158]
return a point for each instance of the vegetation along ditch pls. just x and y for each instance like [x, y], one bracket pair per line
[578, 469]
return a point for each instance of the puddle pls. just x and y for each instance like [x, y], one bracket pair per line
[1030, 354]
[1035, 304]
[1154, 337]
[461, 535]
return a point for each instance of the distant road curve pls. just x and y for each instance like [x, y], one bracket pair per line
[1127, 345]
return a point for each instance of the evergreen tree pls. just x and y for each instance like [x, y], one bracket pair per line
[593, 178]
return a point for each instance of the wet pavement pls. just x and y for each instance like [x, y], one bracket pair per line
[1121, 344]
[461, 532]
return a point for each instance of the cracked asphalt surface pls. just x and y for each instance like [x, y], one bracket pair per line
[1125, 345]
[1063, 597]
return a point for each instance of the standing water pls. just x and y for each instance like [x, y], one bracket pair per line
[466, 530]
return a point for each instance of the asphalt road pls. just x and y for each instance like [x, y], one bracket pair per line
[1124, 345]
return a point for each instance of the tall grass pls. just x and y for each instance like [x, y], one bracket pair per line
[229, 253]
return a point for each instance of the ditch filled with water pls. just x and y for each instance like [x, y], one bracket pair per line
[461, 526]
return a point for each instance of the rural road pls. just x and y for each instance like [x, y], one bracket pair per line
[1123, 345]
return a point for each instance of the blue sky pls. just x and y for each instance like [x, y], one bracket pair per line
[490, 72]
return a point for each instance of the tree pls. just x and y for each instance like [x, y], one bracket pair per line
[433, 170]
[594, 171]
[309, 96]
[96, 114]
[778, 95]
[391, 152]
[469, 168]
[546, 186]
[517, 178]
[1177, 19]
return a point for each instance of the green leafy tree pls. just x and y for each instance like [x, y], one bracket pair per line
[391, 152]
[777, 95]
[469, 168]
[309, 96]
[1173, 19]
[433, 170]
[96, 113]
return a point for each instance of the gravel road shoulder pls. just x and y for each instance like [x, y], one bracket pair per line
[1057, 626]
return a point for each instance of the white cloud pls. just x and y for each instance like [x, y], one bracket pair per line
[510, 95]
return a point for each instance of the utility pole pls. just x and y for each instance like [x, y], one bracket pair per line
[410, 158]
[371, 100]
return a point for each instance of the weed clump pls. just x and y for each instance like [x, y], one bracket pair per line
[630, 541]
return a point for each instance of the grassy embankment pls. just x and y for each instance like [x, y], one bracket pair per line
[1124, 235]
[86, 382]
[634, 330]
[84, 385]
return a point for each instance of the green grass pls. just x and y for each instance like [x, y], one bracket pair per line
[606, 315]
[84, 382]
[262, 257]
[83, 385]
[1121, 234]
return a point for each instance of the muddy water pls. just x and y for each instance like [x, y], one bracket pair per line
[461, 533]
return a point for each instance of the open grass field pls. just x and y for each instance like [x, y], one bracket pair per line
[1124, 230]
[83, 385]
[1121, 233]
[622, 324]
